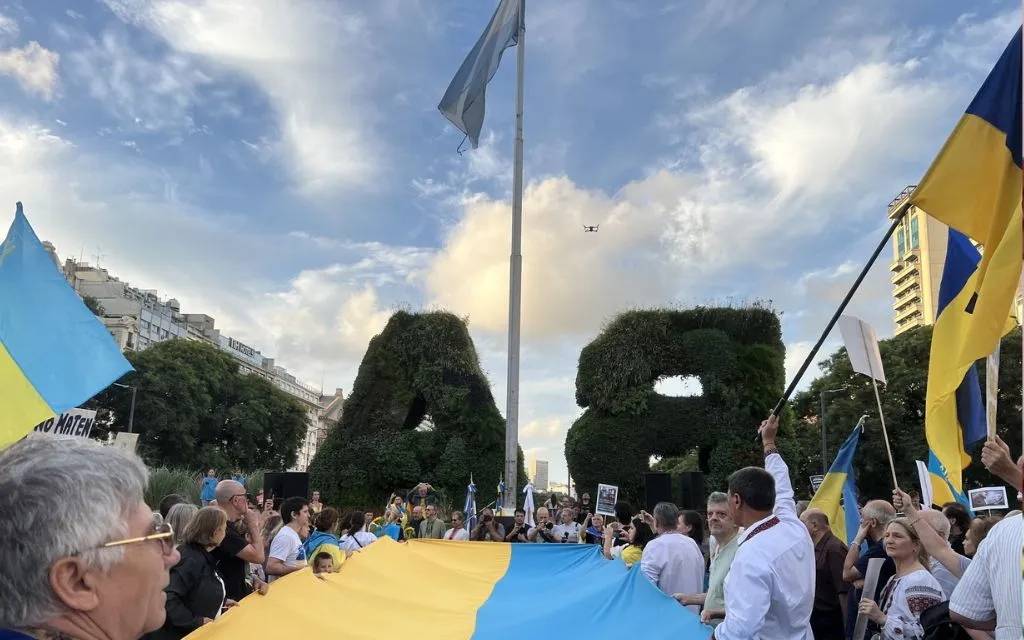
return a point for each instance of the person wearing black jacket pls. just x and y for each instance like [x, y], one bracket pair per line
[195, 595]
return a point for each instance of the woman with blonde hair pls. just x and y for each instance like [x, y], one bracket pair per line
[195, 595]
[912, 590]
[179, 518]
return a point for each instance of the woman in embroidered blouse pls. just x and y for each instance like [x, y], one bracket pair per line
[912, 590]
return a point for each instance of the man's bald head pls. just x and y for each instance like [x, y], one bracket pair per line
[815, 516]
[226, 490]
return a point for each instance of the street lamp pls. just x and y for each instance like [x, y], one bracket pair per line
[131, 411]
[821, 418]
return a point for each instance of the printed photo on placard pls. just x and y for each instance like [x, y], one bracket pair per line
[988, 498]
[607, 496]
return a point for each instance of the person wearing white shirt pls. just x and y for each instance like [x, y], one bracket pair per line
[769, 592]
[458, 530]
[988, 596]
[285, 554]
[567, 530]
[673, 561]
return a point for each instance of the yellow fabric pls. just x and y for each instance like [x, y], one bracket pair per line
[974, 187]
[454, 578]
[23, 407]
[631, 555]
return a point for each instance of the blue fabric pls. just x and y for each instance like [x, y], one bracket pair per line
[62, 349]
[991, 103]
[576, 582]
[209, 490]
[463, 102]
[316, 539]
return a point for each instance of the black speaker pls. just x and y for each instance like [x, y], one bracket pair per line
[691, 491]
[289, 484]
[657, 488]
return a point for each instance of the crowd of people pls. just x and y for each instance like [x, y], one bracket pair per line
[85, 557]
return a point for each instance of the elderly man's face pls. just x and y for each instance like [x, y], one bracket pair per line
[417, 512]
[431, 511]
[129, 601]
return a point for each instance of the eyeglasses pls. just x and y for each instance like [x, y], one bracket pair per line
[162, 531]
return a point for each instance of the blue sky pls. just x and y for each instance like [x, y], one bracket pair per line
[282, 166]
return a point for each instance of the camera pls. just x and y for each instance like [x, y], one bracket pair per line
[549, 526]
[488, 518]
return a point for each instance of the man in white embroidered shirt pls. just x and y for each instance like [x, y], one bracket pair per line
[769, 592]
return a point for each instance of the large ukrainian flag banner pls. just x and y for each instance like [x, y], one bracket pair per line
[840, 483]
[456, 590]
[974, 186]
[54, 353]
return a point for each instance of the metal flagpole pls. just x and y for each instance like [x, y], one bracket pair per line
[515, 293]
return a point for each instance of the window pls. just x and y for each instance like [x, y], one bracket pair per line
[900, 245]
[913, 233]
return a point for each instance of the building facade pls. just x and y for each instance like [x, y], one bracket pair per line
[138, 318]
[539, 474]
[919, 255]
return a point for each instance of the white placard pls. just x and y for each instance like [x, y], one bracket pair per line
[925, 480]
[870, 586]
[126, 441]
[607, 496]
[76, 423]
[988, 498]
[862, 346]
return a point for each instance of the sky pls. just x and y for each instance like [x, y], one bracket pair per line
[282, 166]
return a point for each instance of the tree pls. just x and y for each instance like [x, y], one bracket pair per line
[195, 409]
[736, 353]
[94, 305]
[421, 410]
[905, 358]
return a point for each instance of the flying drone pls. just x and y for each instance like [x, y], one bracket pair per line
[591, 228]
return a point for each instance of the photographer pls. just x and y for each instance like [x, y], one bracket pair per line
[520, 530]
[542, 532]
[488, 530]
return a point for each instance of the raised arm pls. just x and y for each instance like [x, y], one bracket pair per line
[785, 505]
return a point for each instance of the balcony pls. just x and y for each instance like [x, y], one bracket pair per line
[902, 287]
[896, 266]
[909, 273]
[898, 200]
[907, 312]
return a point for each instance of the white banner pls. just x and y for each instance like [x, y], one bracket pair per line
[76, 423]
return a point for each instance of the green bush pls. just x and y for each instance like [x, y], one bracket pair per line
[421, 365]
[736, 353]
[164, 481]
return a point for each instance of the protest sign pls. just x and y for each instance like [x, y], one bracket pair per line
[607, 496]
[988, 498]
[75, 423]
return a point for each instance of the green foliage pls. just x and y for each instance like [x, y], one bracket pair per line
[94, 305]
[421, 366]
[164, 481]
[195, 410]
[736, 353]
[903, 401]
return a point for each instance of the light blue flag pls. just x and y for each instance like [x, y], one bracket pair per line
[54, 353]
[463, 102]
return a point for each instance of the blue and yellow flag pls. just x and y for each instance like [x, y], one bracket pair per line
[459, 590]
[841, 484]
[974, 186]
[54, 353]
[463, 101]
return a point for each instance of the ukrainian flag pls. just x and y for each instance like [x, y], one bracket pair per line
[456, 590]
[840, 483]
[974, 186]
[54, 353]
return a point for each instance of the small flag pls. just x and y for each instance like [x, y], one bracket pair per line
[837, 495]
[499, 504]
[470, 507]
[528, 504]
[54, 353]
[463, 102]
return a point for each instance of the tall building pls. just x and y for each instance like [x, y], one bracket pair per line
[138, 318]
[919, 251]
[919, 254]
[539, 474]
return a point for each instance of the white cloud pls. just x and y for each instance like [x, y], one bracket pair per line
[8, 26]
[33, 66]
[306, 56]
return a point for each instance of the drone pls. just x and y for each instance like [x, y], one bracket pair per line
[591, 228]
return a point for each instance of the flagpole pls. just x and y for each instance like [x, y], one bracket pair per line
[515, 294]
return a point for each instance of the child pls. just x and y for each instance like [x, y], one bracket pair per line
[323, 563]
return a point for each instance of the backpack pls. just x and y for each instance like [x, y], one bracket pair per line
[938, 626]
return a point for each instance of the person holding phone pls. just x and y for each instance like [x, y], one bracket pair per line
[520, 529]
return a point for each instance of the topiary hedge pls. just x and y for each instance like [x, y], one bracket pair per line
[736, 353]
[422, 365]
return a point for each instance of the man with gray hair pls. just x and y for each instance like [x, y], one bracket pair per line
[875, 516]
[673, 561]
[82, 554]
[725, 534]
